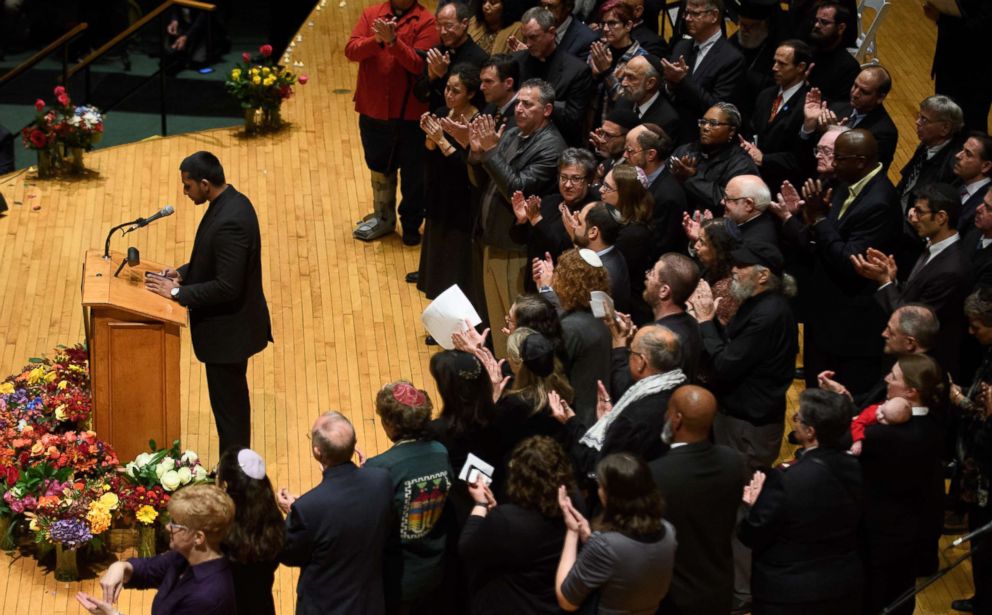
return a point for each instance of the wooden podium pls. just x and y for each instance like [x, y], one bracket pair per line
[133, 340]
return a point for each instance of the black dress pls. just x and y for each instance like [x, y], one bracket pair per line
[253, 587]
[451, 205]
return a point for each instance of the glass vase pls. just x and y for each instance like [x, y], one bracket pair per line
[7, 533]
[66, 567]
[46, 164]
[74, 161]
[272, 118]
[146, 541]
[254, 120]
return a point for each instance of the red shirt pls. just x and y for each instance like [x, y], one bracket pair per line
[386, 73]
[868, 416]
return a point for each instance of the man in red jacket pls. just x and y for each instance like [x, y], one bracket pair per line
[387, 43]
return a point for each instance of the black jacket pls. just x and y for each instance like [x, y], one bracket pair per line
[777, 139]
[879, 123]
[966, 219]
[666, 217]
[754, 358]
[979, 258]
[577, 40]
[222, 283]
[572, 80]
[662, 113]
[803, 530]
[701, 484]
[717, 79]
[705, 189]
[763, 228]
[431, 91]
[834, 72]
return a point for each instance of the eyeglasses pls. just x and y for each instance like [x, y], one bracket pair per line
[843, 158]
[611, 24]
[923, 120]
[731, 199]
[631, 150]
[826, 152]
[605, 188]
[175, 527]
[571, 179]
[693, 14]
[919, 212]
[711, 123]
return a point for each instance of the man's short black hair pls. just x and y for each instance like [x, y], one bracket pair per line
[828, 413]
[801, 51]
[841, 13]
[203, 166]
[985, 145]
[506, 67]
[942, 197]
[607, 219]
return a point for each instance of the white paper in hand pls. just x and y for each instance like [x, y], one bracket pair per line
[447, 314]
[601, 304]
[474, 468]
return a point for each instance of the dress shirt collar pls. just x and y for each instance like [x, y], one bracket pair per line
[675, 445]
[985, 241]
[974, 187]
[856, 188]
[788, 94]
[506, 107]
[707, 44]
[941, 245]
[642, 109]
[933, 151]
[653, 176]
[605, 251]
[562, 29]
[920, 410]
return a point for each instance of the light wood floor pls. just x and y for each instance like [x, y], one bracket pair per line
[343, 319]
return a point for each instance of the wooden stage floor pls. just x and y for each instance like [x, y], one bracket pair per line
[344, 320]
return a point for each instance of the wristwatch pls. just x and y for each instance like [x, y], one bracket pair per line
[175, 293]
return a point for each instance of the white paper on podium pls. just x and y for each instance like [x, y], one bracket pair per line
[447, 314]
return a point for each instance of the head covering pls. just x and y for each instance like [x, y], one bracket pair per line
[465, 365]
[758, 253]
[756, 9]
[538, 354]
[251, 463]
[590, 257]
[625, 118]
[655, 63]
[408, 395]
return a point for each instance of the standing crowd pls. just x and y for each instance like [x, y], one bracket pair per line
[644, 224]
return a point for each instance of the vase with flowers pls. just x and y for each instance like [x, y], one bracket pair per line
[41, 137]
[261, 87]
[61, 133]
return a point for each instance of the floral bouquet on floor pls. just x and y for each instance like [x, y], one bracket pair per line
[50, 394]
[261, 88]
[61, 133]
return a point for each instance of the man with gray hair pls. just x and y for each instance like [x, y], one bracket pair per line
[643, 94]
[338, 551]
[938, 126]
[746, 202]
[570, 77]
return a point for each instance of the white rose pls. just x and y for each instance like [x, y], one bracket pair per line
[170, 480]
[200, 472]
[164, 466]
[142, 460]
[189, 457]
[130, 469]
[184, 475]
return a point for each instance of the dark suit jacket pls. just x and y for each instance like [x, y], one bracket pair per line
[577, 40]
[705, 189]
[338, 549]
[764, 229]
[978, 257]
[717, 79]
[834, 72]
[616, 267]
[777, 138]
[666, 217]
[587, 358]
[757, 71]
[803, 530]
[879, 124]
[844, 317]
[432, 91]
[532, 170]
[222, 283]
[966, 219]
[942, 285]
[662, 113]
[939, 169]
[700, 483]
[649, 40]
[572, 80]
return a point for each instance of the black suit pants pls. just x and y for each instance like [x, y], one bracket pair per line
[398, 145]
[227, 384]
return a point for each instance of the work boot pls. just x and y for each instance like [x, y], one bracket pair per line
[382, 221]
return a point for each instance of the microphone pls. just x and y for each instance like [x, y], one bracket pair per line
[168, 210]
[982, 530]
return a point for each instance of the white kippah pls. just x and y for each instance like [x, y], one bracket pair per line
[251, 463]
[591, 257]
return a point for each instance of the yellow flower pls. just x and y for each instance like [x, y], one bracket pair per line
[63, 384]
[265, 71]
[6, 388]
[146, 514]
[236, 73]
[254, 71]
[99, 518]
[256, 80]
[269, 81]
[60, 414]
[36, 375]
[109, 500]
[33, 525]
[51, 376]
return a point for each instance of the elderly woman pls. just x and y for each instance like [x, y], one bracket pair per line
[629, 552]
[193, 577]
[513, 547]
[803, 523]
[422, 477]
[588, 342]
[705, 166]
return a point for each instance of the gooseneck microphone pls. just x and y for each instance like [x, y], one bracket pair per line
[168, 210]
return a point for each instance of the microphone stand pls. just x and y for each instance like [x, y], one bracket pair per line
[911, 592]
[106, 244]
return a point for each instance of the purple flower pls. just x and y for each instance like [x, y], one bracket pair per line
[71, 533]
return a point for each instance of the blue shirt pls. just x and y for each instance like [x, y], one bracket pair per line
[203, 589]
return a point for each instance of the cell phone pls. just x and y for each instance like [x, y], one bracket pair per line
[154, 274]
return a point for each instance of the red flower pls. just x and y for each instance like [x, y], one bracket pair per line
[39, 105]
[246, 56]
[59, 90]
[265, 50]
[285, 91]
[38, 139]
[63, 100]
[303, 79]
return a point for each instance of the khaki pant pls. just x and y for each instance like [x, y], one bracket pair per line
[503, 280]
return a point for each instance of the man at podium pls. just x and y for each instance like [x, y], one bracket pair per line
[221, 285]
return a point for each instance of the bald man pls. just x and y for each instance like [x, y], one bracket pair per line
[746, 200]
[339, 551]
[843, 320]
[701, 483]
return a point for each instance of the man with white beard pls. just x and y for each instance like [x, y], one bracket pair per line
[753, 358]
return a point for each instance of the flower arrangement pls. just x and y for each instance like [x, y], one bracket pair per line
[166, 468]
[73, 513]
[62, 132]
[261, 88]
[50, 394]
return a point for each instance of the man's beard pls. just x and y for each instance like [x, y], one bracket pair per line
[581, 241]
[667, 434]
[752, 39]
[634, 96]
[742, 290]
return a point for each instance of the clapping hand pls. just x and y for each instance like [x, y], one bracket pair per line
[876, 266]
[829, 118]
[385, 30]
[753, 489]
[574, 520]
[560, 410]
[569, 220]
[494, 368]
[816, 200]
[431, 127]
[513, 44]
[622, 328]
[600, 57]
[683, 167]
[469, 339]
[812, 108]
[788, 204]
[480, 492]
[603, 404]
[692, 225]
[488, 136]
[752, 150]
[702, 305]
[437, 63]
[674, 72]
[825, 380]
[543, 270]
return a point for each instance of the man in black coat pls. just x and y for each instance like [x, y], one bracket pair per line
[746, 203]
[753, 358]
[834, 68]
[645, 33]
[221, 285]
[573, 36]
[336, 532]
[499, 81]
[865, 108]
[570, 77]
[701, 483]
[973, 173]
[705, 69]
[644, 95]
[649, 151]
[778, 115]
[862, 211]
[803, 522]
[456, 47]
[756, 39]
[940, 278]
[597, 229]
[960, 40]
[976, 245]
